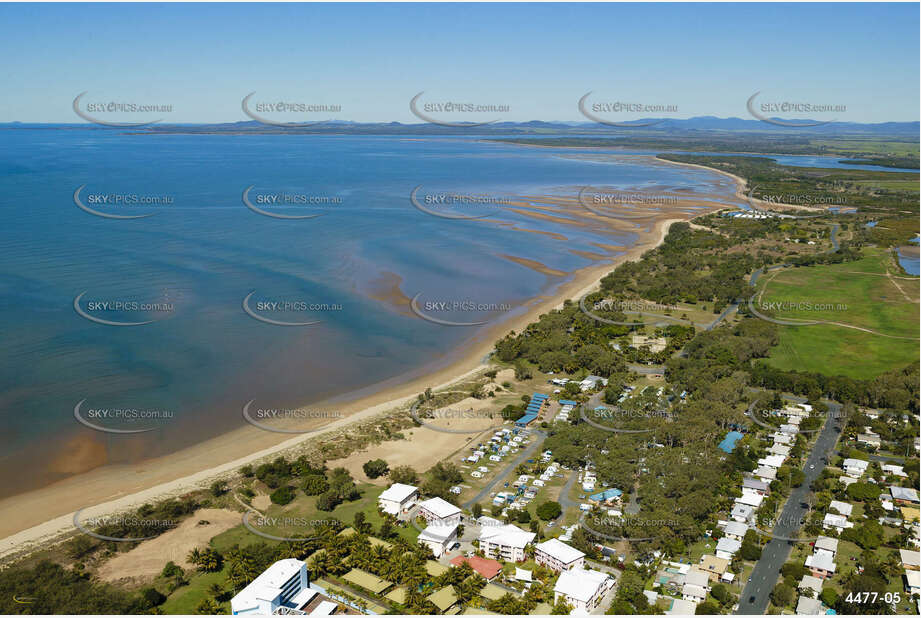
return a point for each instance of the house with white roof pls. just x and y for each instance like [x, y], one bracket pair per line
[855, 467]
[755, 486]
[810, 583]
[870, 439]
[727, 548]
[903, 495]
[505, 542]
[735, 530]
[398, 498]
[821, 563]
[913, 582]
[591, 382]
[838, 522]
[696, 585]
[910, 559]
[893, 470]
[826, 543]
[281, 585]
[846, 480]
[680, 607]
[782, 438]
[780, 449]
[439, 538]
[558, 556]
[440, 512]
[806, 606]
[766, 473]
[742, 513]
[583, 589]
[771, 461]
[750, 499]
[843, 508]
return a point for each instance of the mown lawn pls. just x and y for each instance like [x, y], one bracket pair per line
[185, 599]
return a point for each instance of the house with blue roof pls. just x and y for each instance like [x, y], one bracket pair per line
[608, 495]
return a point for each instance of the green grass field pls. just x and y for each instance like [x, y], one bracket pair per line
[889, 185]
[870, 146]
[854, 293]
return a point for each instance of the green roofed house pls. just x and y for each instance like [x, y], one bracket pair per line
[492, 592]
[443, 599]
[542, 609]
[397, 595]
[476, 611]
[376, 542]
[347, 532]
[434, 569]
[366, 580]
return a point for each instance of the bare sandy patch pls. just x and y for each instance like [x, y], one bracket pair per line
[424, 446]
[145, 561]
[262, 502]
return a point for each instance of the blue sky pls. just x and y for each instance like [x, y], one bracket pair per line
[538, 59]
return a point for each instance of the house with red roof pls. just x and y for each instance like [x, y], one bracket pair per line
[486, 568]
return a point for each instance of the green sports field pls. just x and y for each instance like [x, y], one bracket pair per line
[857, 294]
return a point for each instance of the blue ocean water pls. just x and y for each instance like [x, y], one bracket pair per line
[200, 254]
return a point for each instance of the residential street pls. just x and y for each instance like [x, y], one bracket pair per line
[757, 592]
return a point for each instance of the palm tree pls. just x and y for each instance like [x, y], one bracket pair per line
[378, 558]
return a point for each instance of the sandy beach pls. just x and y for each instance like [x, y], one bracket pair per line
[41, 516]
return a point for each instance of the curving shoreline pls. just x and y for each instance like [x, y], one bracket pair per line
[29, 521]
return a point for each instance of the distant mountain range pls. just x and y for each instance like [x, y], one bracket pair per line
[663, 126]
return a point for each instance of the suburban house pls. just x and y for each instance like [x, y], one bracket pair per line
[909, 559]
[505, 542]
[680, 607]
[913, 582]
[893, 469]
[284, 584]
[903, 495]
[398, 498]
[751, 499]
[696, 585]
[838, 522]
[735, 530]
[821, 563]
[843, 508]
[756, 486]
[779, 449]
[855, 467]
[727, 548]
[742, 513]
[809, 607]
[826, 543]
[870, 439]
[782, 438]
[771, 461]
[713, 566]
[558, 556]
[811, 583]
[439, 512]
[583, 589]
[439, 537]
[766, 473]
